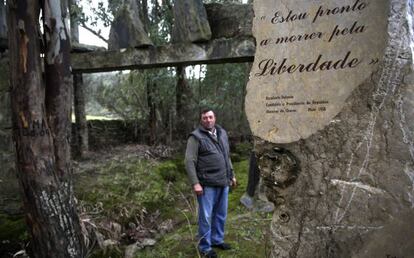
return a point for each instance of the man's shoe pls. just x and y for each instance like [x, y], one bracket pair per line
[209, 254]
[222, 246]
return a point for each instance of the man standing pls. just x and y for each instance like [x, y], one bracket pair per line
[209, 168]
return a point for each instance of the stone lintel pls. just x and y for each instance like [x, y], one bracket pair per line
[182, 54]
[80, 48]
[230, 19]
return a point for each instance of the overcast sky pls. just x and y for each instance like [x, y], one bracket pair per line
[87, 37]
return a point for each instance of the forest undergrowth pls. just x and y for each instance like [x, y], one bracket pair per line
[135, 201]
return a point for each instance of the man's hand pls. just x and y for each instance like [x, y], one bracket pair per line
[233, 182]
[198, 189]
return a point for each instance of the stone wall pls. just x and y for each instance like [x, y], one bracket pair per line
[108, 133]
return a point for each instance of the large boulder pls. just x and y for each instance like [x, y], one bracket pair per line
[127, 29]
[230, 20]
[335, 146]
[190, 22]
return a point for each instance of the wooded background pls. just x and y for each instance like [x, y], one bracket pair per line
[162, 104]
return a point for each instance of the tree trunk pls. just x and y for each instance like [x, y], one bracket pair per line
[74, 25]
[145, 18]
[179, 96]
[152, 116]
[80, 116]
[169, 10]
[41, 128]
[3, 23]
[183, 97]
[155, 12]
[81, 129]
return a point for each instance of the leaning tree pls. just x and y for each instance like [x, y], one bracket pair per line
[41, 101]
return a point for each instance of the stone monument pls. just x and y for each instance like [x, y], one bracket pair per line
[190, 22]
[127, 29]
[331, 103]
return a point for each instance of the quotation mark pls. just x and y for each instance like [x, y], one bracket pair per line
[374, 61]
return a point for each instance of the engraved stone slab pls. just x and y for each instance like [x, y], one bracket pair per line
[310, 56]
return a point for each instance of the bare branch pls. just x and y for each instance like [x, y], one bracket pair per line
[94, 32]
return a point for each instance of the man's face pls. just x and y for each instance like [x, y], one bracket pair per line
[208, 120]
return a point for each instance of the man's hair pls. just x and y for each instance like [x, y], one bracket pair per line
[205, 110]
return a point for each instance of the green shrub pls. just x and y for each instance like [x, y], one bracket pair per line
[235, 157]
[12, 228]
[243, 149]
[168, 171]
[179, 163]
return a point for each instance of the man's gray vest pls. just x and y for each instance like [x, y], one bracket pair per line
[213, 165]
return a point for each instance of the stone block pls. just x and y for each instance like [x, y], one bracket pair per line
[230, 20]
[346, 124]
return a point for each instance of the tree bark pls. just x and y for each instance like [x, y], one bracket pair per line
[145, 17]
[152, 116]
[3, 23]
[182, 98]
[82, 138]
[40, 114]
[179, 93]
[81, 129]
[74, 25]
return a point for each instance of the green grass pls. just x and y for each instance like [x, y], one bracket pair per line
[123, 190]
[13, 233]
[12, 228]
[245, 231]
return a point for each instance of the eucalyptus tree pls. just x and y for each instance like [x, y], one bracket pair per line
[41, 107]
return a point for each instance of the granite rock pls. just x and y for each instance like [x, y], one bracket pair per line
[190, 22]
[348, 188]
[127, 29]
[310, 56]
[230, 20]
